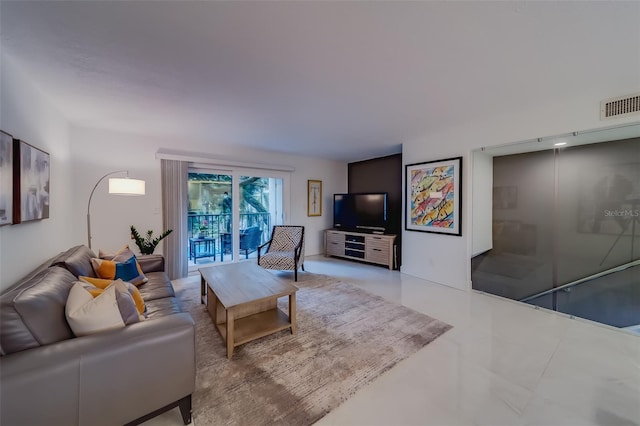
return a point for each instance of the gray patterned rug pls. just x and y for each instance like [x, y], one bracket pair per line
[346, 338]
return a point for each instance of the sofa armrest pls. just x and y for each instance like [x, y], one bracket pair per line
[106, 378]
[151, 262]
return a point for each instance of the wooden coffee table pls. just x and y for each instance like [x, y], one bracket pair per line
[242, 300]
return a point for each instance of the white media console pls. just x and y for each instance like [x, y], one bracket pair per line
[373, 248]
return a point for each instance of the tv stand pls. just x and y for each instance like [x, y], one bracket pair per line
[366, 247]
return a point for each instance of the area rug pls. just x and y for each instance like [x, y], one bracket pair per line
[346, 338]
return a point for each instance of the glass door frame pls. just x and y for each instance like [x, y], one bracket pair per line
[236, 172]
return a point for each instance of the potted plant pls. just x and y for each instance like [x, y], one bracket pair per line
[148, 244]
[202, 228]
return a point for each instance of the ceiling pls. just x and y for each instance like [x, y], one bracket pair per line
[339, 80]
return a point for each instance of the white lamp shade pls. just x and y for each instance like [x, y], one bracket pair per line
[126, 186]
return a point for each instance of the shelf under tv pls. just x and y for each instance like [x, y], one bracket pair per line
[364, 246]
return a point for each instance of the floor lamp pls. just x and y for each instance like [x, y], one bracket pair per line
[117, 186]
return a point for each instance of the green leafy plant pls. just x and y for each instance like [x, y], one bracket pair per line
[147, 244]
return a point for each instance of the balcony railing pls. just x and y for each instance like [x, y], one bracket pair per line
[216, 224]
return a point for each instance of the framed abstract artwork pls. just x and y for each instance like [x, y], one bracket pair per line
[433, 194]
[314, 198]
[6, 178]
[31, 179]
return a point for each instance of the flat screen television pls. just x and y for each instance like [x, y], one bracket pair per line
[360, 212]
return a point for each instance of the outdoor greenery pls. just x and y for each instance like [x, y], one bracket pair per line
[210, 203]
[210, 195]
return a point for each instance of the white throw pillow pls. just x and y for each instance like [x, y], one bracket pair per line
[113, 308]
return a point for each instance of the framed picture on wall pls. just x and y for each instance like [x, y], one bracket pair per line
[6, 178]
[433, 193]
[314, 198]
[32, 183]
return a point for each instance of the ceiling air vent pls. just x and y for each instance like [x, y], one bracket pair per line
[616, 107]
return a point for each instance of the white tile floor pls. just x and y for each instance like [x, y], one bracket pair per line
[503, 363]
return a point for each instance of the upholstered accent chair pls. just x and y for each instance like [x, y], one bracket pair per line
[285, 249]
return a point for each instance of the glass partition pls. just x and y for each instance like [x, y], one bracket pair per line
[565, 227]
[598, 205]
[520, 261]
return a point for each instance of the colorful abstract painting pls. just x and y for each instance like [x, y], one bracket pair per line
[433, 194]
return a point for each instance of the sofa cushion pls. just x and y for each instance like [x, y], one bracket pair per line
[77, 260]
[112, 308]
[151, 263]
[109, 256]
[162, 307]
[121, 255]
[157, 287]
[128, 270]
[32, 314]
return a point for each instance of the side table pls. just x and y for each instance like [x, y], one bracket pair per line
[206, 246]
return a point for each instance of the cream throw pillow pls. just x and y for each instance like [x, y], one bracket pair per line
[113, 308]
[100, 284]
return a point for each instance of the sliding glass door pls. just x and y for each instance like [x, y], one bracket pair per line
[209, 216]
[231, 212]
[260, 208]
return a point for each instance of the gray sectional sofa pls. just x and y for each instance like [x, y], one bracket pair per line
[122, 376]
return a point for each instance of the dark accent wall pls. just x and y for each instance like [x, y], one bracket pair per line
[382, 174]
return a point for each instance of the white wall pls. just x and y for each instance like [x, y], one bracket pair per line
[26, 114]
[97, 152]
[446, 259]
[79, 157]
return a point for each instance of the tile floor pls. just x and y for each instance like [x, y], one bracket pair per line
[503, 363]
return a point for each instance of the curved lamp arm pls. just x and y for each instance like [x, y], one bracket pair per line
[91, 196]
